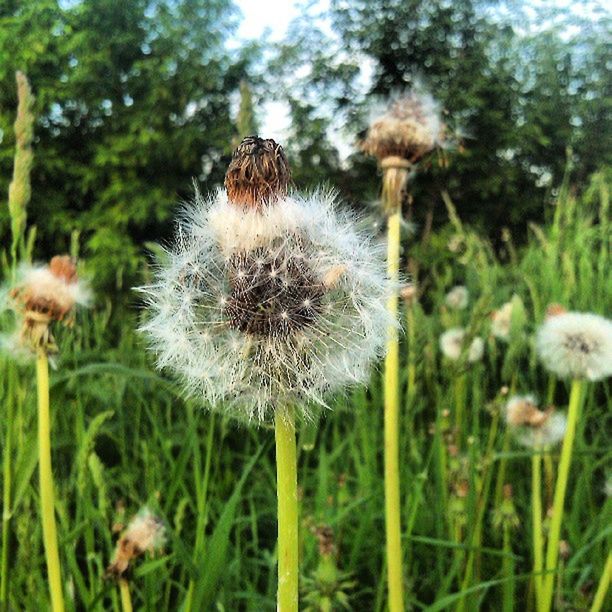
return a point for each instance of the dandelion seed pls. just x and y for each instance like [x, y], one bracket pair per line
[576, 345]
[457, 298]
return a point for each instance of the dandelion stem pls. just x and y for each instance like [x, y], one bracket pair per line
[552, 551]
[126, 598]
[46, 484]
[602, 588]
[391, 397]
[536, 517]
[6, 493]
[286, 483]
[508, 572]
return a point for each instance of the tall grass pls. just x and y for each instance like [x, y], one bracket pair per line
[123, 436]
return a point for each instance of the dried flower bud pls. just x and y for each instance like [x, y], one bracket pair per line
[258, 173]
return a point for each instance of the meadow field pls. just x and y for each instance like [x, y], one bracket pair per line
[477, 492]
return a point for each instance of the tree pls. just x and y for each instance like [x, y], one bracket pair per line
[133, 101]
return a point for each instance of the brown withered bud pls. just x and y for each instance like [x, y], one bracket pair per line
[325, 539]
[553, 310]
[259, 173]
[64, 267]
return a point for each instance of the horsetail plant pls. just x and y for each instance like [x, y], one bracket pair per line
[268, 302]
[18, 198]
[409, 128]
[578, 346]
[41, 296]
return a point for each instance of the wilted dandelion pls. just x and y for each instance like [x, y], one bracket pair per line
[409, 127]
[268, 303]
[406, 130]
[43, 295]
[532, 427]
[457, 298]
[576, 345]
[145, 533]
[452, 345]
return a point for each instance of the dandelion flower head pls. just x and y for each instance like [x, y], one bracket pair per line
[268, 299]
[501, 321]
[409, 127]
[457, 298]
[576, 345]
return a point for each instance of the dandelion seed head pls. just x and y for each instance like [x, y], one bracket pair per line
[452, 343]
[409, 127]
[576, 345]
[501, 320]
[291, 299]
[457, 298]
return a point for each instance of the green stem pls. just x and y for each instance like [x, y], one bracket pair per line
[46, 484]
[286, 483]
[126, 599]
[6, 493]
[459, 406]
[508, 572]
[602, 588]
[391, 398]
[536, 518]
[552, 551]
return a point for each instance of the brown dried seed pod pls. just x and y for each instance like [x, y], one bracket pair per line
[258, 173]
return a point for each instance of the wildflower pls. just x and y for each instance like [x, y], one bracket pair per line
[46, 294]
[144, 533]
[452, 345]
[576, 345]
[532, 427]
[457, 298]
[409, 128]
[268, 300]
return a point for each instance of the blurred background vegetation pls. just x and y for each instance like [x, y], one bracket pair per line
[136, 98]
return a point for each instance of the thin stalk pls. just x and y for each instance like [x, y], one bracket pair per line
[460, 388]
[286, 484]
[46, 484]
[126, 599]
[602, 588]
[391, 399]
[536, 518]
[6, 492]
[508, 572]
[552, 551]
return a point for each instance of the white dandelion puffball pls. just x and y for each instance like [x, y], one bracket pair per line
[452, 345]
[457, 298]
[264, 307]
[576, 345]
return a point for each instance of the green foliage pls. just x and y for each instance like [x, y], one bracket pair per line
[132, 101]
[519, 87]
[123, 435]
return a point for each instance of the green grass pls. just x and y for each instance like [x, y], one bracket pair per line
[123, 433]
